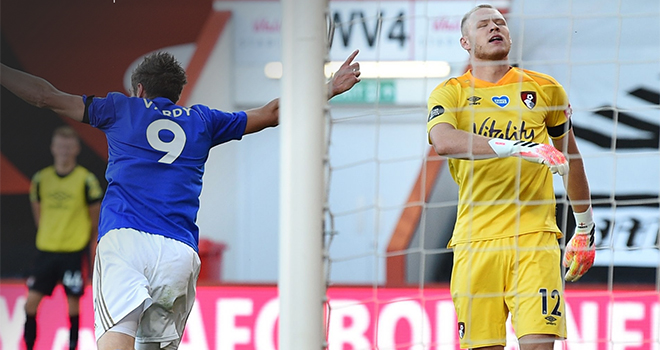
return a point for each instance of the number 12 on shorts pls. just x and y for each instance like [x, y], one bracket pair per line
[544, 301]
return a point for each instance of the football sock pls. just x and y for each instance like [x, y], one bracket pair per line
[30, 332]
[73, 332]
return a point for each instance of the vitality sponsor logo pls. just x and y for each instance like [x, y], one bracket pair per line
[489, 128]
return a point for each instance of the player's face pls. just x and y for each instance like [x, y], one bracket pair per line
[65, 149]
[488, 35]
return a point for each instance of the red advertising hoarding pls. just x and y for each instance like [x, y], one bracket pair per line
[245, 317]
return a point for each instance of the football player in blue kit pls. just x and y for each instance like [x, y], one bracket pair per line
[147, 264]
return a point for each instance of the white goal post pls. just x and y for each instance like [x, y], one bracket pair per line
[301, 286]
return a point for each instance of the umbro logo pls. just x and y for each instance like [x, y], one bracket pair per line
[551, 320]
[474, 100]
[60, 196]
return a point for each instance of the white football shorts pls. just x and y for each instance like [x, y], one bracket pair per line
[135, 269]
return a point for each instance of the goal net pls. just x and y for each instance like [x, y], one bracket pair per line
[391, 201]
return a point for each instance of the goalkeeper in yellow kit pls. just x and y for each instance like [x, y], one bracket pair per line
[495, 123]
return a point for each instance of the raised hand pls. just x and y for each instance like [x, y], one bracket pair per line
[346, 76]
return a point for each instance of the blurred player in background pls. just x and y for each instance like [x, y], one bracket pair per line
[147, 264]
[495, 122]
[65, 201]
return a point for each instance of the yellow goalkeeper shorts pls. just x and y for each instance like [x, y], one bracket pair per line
[518, 275]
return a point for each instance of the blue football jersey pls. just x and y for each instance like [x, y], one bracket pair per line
[156, 156]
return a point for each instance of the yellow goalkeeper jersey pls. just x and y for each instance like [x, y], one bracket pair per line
[502, 197]
[64, 222]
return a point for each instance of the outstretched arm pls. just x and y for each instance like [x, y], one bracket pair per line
[39, 92]
[268, 115]
[263, 117]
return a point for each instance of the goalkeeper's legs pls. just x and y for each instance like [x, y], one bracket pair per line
[518, 275]
[537, 342]
[529, 342]
[536, 296]
[478, 298]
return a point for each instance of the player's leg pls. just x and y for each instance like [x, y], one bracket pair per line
[536, 295]
[476, 288]
[180, 326]
[30, 329]
[120, 287]
[73, 305]
[173, 293]
[40, 283]
[157, 274]
[115, 341]
[74, 286]
[32, 303]
[122, 335]
[73, 302]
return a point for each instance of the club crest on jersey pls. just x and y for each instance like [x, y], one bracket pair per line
[501, 101]
[528, 98]
[436, 111]
[474, 100]
[461, 330]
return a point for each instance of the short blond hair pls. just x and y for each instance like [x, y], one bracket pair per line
[66, 132]
[469, 13]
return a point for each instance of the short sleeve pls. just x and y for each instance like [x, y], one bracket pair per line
[442, 105]
[223, 126]
[100, 112]
[559, 111]
[93, 190]
[34, 188]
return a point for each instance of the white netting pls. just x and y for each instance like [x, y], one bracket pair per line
[386, 190]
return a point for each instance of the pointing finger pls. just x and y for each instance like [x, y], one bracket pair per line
[350, 58]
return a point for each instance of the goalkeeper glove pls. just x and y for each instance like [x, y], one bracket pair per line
[533, 152]
[580, 251]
